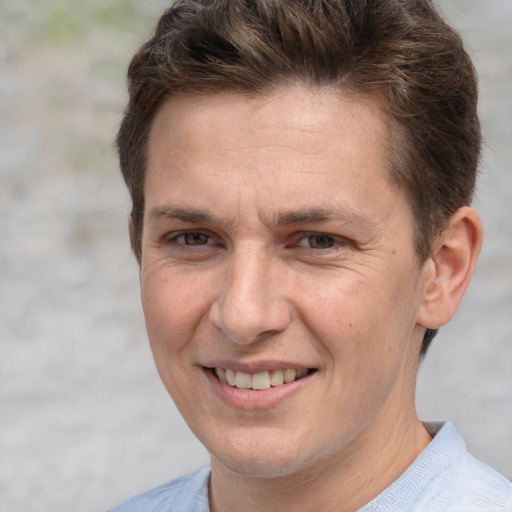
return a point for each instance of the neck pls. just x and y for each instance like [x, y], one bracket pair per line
[344, 483]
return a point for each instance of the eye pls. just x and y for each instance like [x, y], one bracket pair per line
[192, 238]
[191, 246]
[314, 244]
[319, 241]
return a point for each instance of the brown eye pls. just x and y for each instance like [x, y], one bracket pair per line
[193, 238]
[320, 241]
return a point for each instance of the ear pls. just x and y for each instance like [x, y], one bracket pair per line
[448, 270]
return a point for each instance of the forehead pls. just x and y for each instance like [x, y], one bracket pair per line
[313, 112]
[304, 147]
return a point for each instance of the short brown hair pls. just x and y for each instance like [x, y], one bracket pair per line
[400, 51]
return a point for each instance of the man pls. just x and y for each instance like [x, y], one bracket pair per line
[301, 174]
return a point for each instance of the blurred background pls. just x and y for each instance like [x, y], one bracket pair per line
[84, 420]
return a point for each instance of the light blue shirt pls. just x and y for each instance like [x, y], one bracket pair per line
[444, 478]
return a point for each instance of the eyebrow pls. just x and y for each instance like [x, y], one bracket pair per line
[313, 215]
[303, 216]
[192, 215]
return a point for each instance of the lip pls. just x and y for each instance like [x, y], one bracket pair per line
[251, 399]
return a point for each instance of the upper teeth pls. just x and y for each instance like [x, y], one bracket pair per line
[261, 380]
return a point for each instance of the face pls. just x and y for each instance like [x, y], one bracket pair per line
[279, 281]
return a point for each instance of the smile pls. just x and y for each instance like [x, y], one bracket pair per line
[261, 380]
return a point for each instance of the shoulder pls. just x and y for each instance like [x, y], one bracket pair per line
[481, 488]
[187, 494]
[464, 483]
[446, 478]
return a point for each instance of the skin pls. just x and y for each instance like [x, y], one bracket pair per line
[272, 238]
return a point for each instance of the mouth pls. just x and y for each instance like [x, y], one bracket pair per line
[261, 380]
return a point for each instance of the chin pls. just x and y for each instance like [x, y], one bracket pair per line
[260, 467]
[262, 457]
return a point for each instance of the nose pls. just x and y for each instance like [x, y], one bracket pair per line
[251, 305]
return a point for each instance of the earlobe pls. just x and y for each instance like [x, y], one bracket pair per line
[448, 271]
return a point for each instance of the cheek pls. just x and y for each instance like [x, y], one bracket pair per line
[173, 307]
[363, 322]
